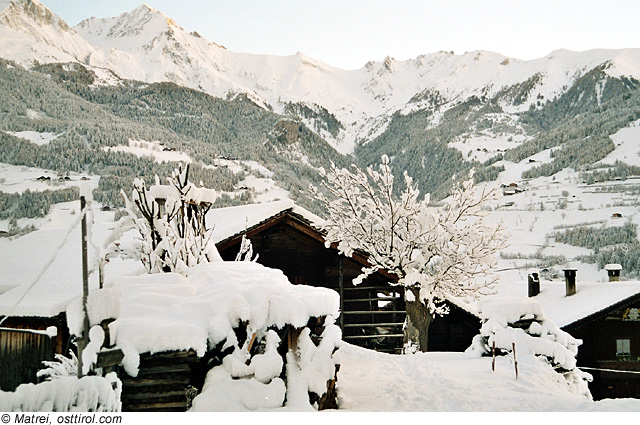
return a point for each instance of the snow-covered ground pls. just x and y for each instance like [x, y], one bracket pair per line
[547, 204]
[142, 148]
[18, 178]
[627, 147]
[369, 381]
[35, 137]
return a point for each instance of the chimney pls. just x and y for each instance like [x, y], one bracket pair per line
[570, 280]
[534, 282]
[613, 270]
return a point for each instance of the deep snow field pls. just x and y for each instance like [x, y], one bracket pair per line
[369, 381]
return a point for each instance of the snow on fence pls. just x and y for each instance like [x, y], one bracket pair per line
[260, 341]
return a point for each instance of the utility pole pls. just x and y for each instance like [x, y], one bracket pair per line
[83, 341]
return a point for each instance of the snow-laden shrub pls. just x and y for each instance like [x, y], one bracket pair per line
[66, 394]
[171, 220]
[60, 367]
[521, 322]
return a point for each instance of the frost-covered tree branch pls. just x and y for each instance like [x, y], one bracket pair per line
[435, 252]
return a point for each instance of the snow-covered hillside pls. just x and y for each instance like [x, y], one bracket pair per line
[147, 45]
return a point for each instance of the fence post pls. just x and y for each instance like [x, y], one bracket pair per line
[515, 360]
[493, 355]
[82, 342]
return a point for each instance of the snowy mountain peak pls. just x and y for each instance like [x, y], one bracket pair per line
[37, 34]
[19, 13]
[387, 65]
[139, 26]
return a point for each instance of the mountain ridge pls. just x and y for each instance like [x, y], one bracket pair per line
[146, 45]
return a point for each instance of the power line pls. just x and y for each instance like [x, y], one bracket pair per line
[608, 370]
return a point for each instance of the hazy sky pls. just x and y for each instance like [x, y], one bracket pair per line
[348, 33]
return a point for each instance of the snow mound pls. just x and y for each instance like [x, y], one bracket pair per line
[511, 325]
[67, 394]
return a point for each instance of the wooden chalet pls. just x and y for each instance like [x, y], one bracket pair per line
[610, 351]
[604, 315]
[285, 238]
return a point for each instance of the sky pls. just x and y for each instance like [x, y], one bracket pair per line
[348, 33]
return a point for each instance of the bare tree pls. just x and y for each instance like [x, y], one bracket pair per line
[436, 253]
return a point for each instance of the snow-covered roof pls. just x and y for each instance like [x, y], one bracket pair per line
[41, 272]
[168, 311]
[232, 221]
[590, 298]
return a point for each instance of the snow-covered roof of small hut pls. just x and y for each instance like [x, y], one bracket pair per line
[590, 297]
[168, 311]
[232, 221]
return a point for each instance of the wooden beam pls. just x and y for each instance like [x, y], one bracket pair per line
[109, 358]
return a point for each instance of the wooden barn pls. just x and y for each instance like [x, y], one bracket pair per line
[24, 345]
[287, 237]
[283, 237]
[611, 348]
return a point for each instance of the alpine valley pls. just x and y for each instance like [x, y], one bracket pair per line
[114, 99]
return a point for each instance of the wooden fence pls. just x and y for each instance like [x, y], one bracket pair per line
[22, 352]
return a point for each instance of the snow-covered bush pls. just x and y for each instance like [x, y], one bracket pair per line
[520, 322]
[60, 367]
[66, 394]
[171, 220]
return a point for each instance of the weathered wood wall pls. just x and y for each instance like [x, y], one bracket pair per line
[162, 382]
[21, 355]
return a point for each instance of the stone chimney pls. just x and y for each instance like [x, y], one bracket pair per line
[534, 282]
[570, 280]
[613, 270]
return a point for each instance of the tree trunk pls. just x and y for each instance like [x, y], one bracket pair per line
[416, 330]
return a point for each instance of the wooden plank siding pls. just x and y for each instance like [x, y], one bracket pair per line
[162, 382]
[22, 353]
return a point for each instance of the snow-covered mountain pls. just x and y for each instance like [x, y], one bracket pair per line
[30, 32]
[147, 45]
